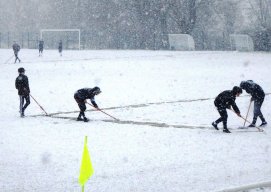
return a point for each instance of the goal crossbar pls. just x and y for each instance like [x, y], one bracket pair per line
[63, 30]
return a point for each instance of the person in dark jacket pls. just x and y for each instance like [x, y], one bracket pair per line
[225, 100]
[16, 48]
[60, 47]
[81, 97]
[21, 83]
[41, 45]
[257, 95]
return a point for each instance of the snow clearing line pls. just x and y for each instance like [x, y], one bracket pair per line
[152, 124]
[136, 105]
[248, 187]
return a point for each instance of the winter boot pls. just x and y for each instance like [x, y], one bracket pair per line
[215, 125]
[263, 124]
[79, 118]
[252, 125]
[22, 114]
[86, 119]
[225, 130]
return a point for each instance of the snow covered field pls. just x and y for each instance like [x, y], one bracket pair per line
[163, 141]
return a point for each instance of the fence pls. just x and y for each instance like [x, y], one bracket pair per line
[98, 40]
[30, 40]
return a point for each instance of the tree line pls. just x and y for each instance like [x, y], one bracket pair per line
[144, 24]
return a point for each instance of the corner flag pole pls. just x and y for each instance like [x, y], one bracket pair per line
[86, 168]
[104, 112]
[38, 104]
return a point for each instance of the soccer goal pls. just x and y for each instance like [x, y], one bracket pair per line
[241, 42]
[71, 38]
[181, 42]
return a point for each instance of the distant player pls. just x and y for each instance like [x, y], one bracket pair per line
[225, 100]
[60, 47]
[16, 48]
[81, 97]
[21, 83]
[257, 95]
[41, 45]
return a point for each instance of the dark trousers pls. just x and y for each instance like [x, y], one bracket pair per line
[26, 99]
[81, 105]
[223, 117]
[40, 51]
[16, 57]
[257, 111]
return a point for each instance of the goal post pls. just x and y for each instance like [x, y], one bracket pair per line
[181, 42]
[241, 42]
[42, 31]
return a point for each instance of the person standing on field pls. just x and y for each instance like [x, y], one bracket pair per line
[16, 48]
[22, 85]
[60, 47]
[41, 45]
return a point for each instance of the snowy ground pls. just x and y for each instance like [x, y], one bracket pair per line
[163, 141]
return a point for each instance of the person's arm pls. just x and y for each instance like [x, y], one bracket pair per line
[16, 83]
[236, 109]
[27, 84]
[93, 102]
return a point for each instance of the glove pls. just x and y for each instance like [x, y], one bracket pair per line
[96, 106]
[252, 99]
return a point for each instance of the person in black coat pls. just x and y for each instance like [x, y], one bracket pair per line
[16, 48]
[41, 45]
[225, 100]
[81, 97]
[257, 95]
[60, 47]
[21, 83]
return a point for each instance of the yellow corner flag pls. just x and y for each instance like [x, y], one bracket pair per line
[86, 170]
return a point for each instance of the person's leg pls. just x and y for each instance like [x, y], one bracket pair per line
[16, 57]
[224, 118]
[221, 112]
[27, 99]
[21, 105]
[256, 113]
[83, 108]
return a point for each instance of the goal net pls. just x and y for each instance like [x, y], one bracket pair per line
[181, 42]
[69, 37]
[241, 42]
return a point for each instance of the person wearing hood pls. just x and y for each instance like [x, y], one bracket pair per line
[224, 100]
[257, 95]
[81, 97]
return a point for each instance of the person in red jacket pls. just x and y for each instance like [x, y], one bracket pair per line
[81, 97]
[21, 83]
